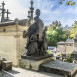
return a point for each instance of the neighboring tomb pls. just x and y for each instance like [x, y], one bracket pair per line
[11, 40]
[66, 47]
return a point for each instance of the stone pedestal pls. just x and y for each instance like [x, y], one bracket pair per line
[6, 65]
[33, 64]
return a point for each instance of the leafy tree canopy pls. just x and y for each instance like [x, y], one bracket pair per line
[55, 33]
[73, 31]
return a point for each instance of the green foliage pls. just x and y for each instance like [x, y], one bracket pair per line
[55, 34]
[69, 58]
[73, 31]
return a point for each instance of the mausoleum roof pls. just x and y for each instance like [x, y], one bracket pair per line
[61, 43]
[13, 22]
[69, 41]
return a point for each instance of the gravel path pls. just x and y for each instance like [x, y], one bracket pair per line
[19, 72]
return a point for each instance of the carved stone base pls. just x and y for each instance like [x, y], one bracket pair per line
[32, 64]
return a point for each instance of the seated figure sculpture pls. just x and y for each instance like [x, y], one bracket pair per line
[36, 38]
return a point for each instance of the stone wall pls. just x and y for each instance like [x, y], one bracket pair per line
[12, 42]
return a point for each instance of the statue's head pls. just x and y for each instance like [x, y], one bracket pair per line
[37, 12]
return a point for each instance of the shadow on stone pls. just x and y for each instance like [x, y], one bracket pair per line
[13, 72]
[5, 74]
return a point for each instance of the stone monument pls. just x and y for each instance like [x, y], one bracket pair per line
[36, 45]
[36, 34]
[36, 39]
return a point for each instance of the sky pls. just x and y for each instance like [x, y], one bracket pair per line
[51, 10]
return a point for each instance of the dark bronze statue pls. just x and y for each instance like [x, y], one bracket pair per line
[36, 38]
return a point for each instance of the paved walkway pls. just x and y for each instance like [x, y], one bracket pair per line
[19, 72]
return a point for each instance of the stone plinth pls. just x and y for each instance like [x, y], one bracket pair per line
[7, 65]
[32, 64]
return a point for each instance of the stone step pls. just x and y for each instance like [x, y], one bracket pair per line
[60, 67]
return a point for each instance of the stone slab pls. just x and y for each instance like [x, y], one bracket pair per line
[32, 64]
[6, 65]
[37, 57]
[60, 67]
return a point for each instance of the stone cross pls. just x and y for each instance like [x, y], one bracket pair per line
[7, 14]
[3, 12]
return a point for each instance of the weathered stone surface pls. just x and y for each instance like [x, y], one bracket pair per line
[60, 67]
[7, 65]
[32, 64]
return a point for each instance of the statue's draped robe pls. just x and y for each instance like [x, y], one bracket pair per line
[35, 36]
